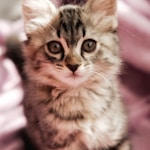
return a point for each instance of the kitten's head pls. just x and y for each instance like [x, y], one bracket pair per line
[71, 45]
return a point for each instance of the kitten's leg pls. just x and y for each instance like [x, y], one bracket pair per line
[35, 138]
[123, 145]
[33, 130]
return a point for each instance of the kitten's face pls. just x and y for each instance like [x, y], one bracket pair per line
[71, 46]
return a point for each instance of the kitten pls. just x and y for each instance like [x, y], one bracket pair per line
[71, 64]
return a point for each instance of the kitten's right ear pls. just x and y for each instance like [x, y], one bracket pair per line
[36, 8]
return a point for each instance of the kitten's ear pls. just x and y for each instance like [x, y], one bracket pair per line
[102, 14]
[107, 7]
[36, 8]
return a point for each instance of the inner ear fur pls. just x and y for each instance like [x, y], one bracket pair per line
[32, 9]
[107, 7]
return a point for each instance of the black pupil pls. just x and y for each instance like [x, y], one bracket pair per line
[89, 44]
[56, 46]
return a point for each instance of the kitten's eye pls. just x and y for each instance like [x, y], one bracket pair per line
[89, 45]
[55, 47]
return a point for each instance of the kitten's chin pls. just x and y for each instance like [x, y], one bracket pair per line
[73, 80]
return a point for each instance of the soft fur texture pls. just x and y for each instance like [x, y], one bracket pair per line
[72, 61]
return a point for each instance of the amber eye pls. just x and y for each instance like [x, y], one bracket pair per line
[89, 45]
[54, 47]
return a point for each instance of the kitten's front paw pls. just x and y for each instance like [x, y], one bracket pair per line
[126, 145]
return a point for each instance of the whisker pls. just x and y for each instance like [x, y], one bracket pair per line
[52, 27]
[102, 76]
[125, 29]
[37, 89]
[58, 68]
[45, 62]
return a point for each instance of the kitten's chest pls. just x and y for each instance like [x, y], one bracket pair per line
[84, 102]
[82, 115]
[87, 112]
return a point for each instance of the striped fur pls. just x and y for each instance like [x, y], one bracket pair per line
[72, 61]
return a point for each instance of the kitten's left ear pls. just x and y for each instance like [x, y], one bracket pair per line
[36, 8]
[102, 13]
[107, 7]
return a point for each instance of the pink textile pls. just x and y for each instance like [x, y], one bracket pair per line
[134, 33]
[11, 93]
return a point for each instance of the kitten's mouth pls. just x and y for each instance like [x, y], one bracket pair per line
[74, 76]
[74, 79]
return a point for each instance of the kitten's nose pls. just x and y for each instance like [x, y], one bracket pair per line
[73, 67]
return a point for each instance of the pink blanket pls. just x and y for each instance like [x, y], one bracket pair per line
[134, 32]
[11, 94]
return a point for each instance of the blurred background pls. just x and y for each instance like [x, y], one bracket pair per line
[10, 10]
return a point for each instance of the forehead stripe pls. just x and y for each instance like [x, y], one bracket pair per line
[70, 25]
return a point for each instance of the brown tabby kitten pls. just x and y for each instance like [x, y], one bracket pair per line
[72, 61]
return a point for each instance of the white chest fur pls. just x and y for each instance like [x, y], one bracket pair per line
[104, 121]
